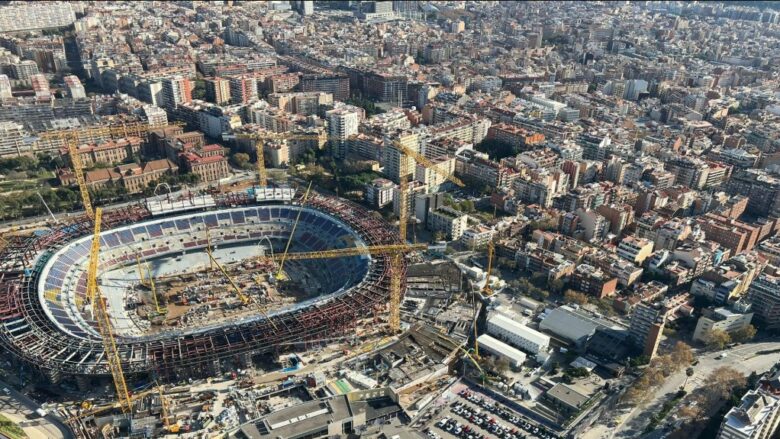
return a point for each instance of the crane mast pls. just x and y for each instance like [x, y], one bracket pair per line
[72, 137]
[100, 312]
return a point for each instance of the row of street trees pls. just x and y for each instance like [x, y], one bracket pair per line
[717, 339]
[660, 368]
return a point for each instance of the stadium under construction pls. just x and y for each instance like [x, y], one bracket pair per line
[45, 319]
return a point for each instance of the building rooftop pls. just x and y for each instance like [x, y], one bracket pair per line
[510, 325]
[567, 395]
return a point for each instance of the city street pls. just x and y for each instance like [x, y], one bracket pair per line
[21, 409]
[741, 357]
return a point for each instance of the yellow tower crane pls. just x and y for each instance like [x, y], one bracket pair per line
[239, 292]
[487, 291]
[141, 278]
[72, 137]
[408, 153]
[279, 274]
[260, 138]
[152, 287]
[105, 327]
[394, 251]
[395, 284]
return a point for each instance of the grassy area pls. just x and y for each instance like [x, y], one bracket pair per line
[10, 429]
[18, 185]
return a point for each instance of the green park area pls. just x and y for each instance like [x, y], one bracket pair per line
[11, 429]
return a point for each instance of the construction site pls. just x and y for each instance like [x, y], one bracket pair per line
[178, 298]
[259, 291]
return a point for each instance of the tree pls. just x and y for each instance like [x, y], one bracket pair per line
[556, 286]
[496, 149]
[539, 294]
[199, 90]
[717, 339]
[720, 384]
[467, 206]
[240, 160]
[502, 365]
[682, 354]
[664, 364]
[439, 236]
[548, 225]
[744, 334]
[571, 296]
[688, 374]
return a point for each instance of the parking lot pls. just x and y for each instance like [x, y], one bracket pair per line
[468, 414]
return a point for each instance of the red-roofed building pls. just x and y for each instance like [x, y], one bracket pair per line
[209, 166]
[112, 151]
[133, 177]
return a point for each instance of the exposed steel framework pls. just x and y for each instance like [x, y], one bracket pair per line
[28, 332]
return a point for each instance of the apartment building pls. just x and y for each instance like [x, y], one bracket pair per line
[635, 249]
[447, 220]
[756, 417]
[379, 193]
[723, 319]
[35, 15]
[592, 281]
[647, 325]
[764, 296]
[176, 91]
[514, 135]
[397, 164]
[730, 233]
[343, 122]
[218, 90]
[335, 84]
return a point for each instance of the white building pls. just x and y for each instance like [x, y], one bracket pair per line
[342, 123]
[500, 349]
[756, 417]
[722, 319]
[517, 334]
[447, 220]
[5, 87]
[12, 136]
[156, 116]
[379, 193]
[36, 15]
[476, 236]
[75, 88]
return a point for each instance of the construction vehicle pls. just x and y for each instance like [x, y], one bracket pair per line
[73, 137]
[169, 427]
